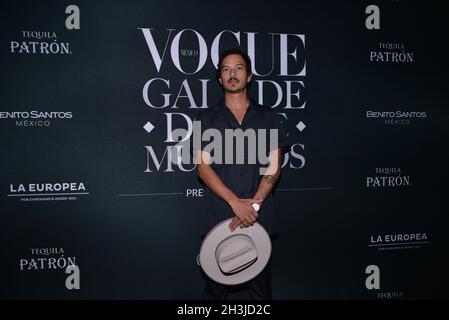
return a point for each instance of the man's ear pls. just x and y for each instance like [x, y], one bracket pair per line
[249, 78]
[219, 80]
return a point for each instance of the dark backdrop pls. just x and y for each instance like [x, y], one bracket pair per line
[83, 181]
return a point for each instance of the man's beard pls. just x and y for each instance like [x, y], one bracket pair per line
[236, 90]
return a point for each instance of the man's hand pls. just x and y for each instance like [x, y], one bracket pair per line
[245, 213]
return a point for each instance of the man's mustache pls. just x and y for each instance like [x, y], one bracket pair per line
[231, 79]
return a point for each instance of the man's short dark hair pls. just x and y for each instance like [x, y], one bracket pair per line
[228, 52]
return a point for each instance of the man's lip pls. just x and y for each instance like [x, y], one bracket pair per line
[232, 80]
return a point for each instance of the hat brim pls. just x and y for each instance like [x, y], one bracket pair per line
[221, 231]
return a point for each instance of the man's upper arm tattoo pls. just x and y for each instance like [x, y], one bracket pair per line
[270, 179]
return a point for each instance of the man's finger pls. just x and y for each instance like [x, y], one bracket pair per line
[254, 214]
[245, 223]
[234, 224]
[250, 218]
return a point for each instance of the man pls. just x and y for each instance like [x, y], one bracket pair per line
[234, 187]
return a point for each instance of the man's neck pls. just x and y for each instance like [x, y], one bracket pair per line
[236, 101]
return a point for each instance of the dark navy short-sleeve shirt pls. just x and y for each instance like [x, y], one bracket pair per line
[242, 178]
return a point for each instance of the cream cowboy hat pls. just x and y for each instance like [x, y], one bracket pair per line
[232, 258]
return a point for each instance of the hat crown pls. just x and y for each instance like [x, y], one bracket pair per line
[235, 257]
[235, 253]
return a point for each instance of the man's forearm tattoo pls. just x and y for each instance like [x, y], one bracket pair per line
[270, 179]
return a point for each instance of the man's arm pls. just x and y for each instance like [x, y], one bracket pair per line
[245, 213]
[270, 177]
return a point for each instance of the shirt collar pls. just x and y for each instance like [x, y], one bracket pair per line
[252, 109]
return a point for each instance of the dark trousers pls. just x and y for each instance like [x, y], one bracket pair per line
[257, 289]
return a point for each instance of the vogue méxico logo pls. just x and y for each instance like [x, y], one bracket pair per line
[290, 48]
[158, 53]
[279, 80]
[60, 191]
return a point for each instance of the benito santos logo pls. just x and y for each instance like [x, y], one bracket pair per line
[35, 118]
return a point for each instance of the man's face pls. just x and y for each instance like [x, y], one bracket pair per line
[233, 75]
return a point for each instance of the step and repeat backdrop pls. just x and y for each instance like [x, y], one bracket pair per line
[94, 204]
